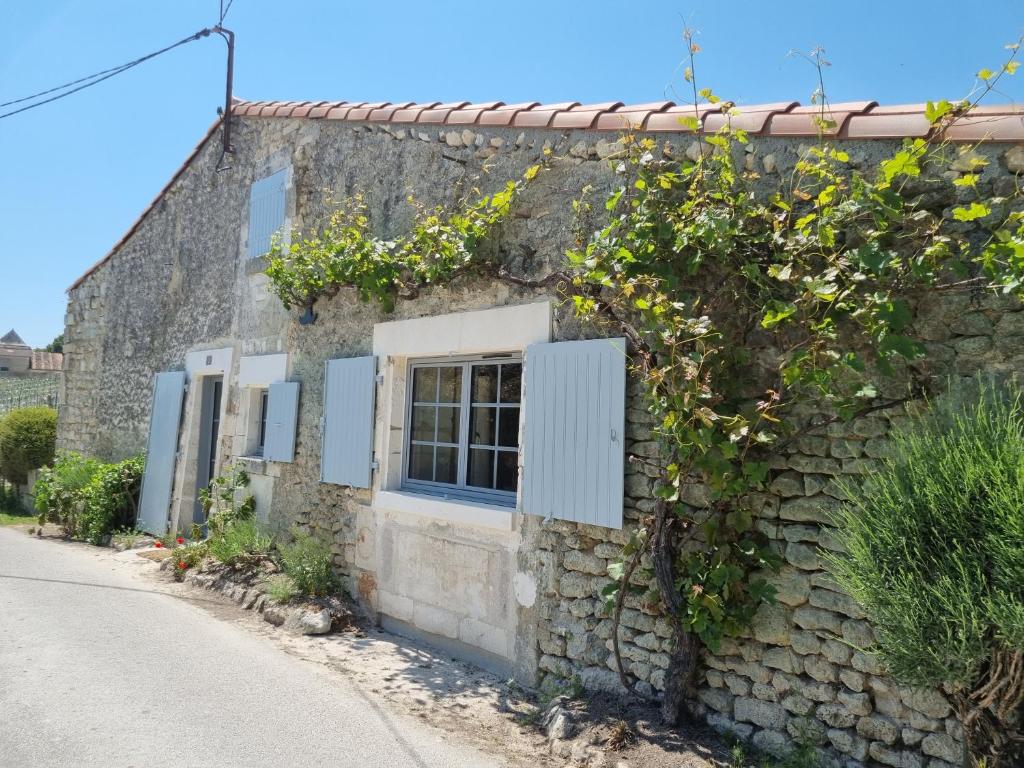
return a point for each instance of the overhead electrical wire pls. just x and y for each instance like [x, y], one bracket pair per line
[96, 77]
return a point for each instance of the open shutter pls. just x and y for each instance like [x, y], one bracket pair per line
[573, 450]
[266, 212]
[347, 451]
[282, 413]
[158, 478]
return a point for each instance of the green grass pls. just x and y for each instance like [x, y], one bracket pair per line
[8, 517]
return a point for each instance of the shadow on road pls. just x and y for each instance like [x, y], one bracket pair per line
[111, 586]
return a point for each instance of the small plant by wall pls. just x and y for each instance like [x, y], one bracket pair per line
[935, 554]
[90, 500]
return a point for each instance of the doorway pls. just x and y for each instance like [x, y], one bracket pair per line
[212, 392]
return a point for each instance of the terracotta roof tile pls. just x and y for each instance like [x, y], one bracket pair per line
[803, 120]
[46, 361]
[439, 113]
[504, 115]
[411, 114]
[321, 109]
[385, 114]
[541, 115]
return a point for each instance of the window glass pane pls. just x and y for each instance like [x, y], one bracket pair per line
[448, 424]
[480, 472]
[421, 462]
[485, 383]
[423, 422]
[508, 431]
[424, 385]
[481, 426]
[511, 382]
[451, 384]
[447, 465]
[508, 471]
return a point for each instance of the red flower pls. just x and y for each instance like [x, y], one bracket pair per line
[158, 544]
[181, 565]
[180, 540]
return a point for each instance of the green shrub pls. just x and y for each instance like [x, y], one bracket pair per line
[242, 540]
[111, 500]
[28, 437]
[935, 550]
[280, 587]
[58, 495]
[308, 561]
[224, 500]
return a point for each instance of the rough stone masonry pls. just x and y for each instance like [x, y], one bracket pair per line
[178, 282]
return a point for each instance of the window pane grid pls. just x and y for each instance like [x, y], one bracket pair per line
[481, 399]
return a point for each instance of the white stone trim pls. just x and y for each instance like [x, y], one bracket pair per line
[461, 511]
[209, 362]
[502, 329]
[262, 370]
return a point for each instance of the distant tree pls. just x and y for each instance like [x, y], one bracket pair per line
[27, 441]
[57, 345]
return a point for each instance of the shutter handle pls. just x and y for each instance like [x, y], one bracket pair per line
[614, 435]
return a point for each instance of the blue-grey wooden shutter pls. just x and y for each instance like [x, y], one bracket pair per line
[282, 413]
[573, 448]
[347, 451]
[266, 212]
[161, 451]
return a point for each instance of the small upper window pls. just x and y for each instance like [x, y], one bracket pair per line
[266, 212]
[463, 429]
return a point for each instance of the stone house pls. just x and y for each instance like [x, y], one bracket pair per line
[17, 357]
[466, 453]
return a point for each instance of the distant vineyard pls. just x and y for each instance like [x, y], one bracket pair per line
[19, 391]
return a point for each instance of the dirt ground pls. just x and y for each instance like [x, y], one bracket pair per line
[494, 715]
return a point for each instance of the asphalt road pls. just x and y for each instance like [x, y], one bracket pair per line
[97, 669]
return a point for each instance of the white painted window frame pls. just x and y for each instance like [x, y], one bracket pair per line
[504, 330]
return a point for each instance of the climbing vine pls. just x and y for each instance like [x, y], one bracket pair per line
[441, 245]
[757, 312]
[753, 311]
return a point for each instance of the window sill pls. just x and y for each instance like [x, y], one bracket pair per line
[460, 511]
[254, 465]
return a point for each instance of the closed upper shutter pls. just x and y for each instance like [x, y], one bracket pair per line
[282, 412]
[573, 449]
[266, 212]
[347, 450]
[158, 478]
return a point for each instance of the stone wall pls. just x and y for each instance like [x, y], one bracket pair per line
[180, 283]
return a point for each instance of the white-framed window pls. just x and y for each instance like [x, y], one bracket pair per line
[255, 405]
[462, 428]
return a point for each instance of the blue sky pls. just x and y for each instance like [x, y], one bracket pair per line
[75, 174]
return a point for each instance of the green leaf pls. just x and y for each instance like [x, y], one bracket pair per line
[906, 347]
[777, 312]
[975, 211]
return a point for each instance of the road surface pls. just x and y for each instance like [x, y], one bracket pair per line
[97, 668]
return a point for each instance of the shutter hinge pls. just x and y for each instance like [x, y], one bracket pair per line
[374, 464]
[379, 378]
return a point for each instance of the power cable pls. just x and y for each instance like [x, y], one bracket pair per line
[97, 77]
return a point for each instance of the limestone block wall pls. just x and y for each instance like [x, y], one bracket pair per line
[179, 283]
[803, 672]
